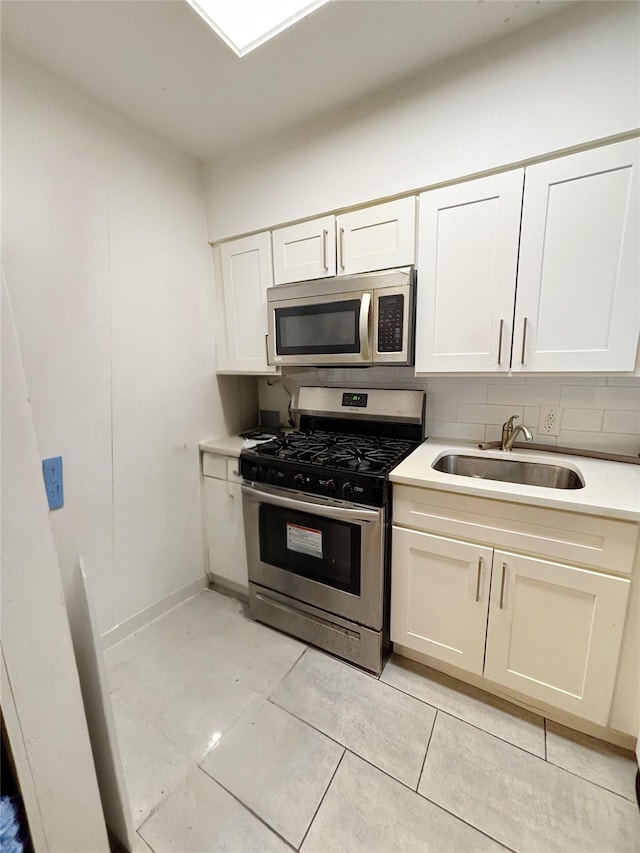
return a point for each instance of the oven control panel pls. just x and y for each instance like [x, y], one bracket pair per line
[370, 491]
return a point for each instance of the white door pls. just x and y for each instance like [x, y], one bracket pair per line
[554, 633]
[246, 274]
[305, 251]
[440, 596]
[467, 266]
[378, 237]
[578, 302]
[225, 531]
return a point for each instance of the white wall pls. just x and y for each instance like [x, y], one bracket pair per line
[567, 80]
[110, 275]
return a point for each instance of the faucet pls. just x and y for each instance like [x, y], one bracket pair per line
[509, 433]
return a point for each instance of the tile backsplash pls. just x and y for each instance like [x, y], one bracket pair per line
[595, 413]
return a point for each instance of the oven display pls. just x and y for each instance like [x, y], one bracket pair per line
[304, 540]
[358, 401]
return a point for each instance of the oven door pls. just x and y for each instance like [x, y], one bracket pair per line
[320, 552]
[330, 329]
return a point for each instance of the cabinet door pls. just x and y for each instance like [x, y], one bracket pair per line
[378, 237]
[440, 597]
[225, 530]
[578, 304]
[467, 265]
[305, 251]
[555, 632]
[246, 274]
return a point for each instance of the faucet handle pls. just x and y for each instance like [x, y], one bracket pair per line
[508, 425]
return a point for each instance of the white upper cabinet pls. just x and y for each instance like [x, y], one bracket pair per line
[373, 238]
[467, 265]
[377, 238]
[305, 251]
[571, 287]
[578, 299]
[246, 273]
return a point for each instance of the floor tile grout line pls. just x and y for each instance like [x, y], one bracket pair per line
[428, 799]
[446, 713]
[249, 809]
[344, 746]
[426, 752]
[288, 672]
[630, 799]
[463, 720]
[326, 790]
[517, 746]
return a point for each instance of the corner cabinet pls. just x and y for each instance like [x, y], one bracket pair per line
[224, 522]
[244, 270]
[372, 238]
[535, 276]
[540, 627]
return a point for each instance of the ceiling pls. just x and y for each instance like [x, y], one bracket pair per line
[157, 61]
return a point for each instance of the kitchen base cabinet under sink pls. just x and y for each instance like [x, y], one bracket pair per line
[534, 625]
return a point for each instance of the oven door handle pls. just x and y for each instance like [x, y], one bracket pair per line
[303, 505]
[365, 338]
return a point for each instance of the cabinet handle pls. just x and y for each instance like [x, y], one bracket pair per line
[504, 574]
[341, 248]
[500, 341]
[325, 265]
[524, 340]
[479, 576]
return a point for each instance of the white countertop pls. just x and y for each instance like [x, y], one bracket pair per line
[611, 489]
[229, 445]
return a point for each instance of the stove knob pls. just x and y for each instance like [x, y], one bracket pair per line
[330, 487]
[255, 473]
[347, 490]
[298, 481]
[270, 476]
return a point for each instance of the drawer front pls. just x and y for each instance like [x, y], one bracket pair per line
[588, 540]
[214, 465]
[233, 470]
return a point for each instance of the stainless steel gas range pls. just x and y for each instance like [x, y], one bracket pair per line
[317, 515]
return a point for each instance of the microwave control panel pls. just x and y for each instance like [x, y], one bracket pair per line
[390, 323]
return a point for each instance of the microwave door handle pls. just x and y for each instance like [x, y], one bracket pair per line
[365, 339]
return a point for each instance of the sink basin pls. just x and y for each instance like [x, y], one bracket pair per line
[509, 471]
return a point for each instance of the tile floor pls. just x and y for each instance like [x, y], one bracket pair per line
[238, 738]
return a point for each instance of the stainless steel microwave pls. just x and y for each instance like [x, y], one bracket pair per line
[363, 319]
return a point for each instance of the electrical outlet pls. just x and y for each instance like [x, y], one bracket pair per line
[549, 420]
[52, 475]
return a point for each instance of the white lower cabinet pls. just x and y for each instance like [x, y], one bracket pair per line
[543, 629]
[440, 597]
[224, 521]
[554, 633]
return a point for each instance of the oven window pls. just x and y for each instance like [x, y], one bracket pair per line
[331, 327]
[312, 546]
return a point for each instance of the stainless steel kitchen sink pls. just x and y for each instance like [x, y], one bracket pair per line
[509, 471]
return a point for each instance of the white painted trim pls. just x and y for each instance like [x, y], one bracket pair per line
[139, 620]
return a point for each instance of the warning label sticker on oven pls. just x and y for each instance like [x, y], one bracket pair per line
[304, 540]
